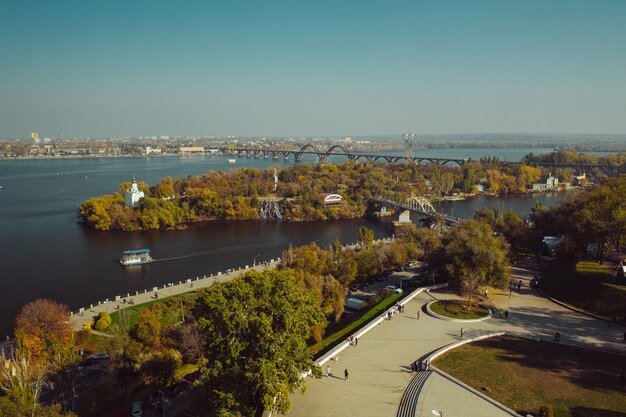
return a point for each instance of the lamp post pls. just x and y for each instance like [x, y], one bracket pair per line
[254, 260]
[162, 403]
[182, 310]
[170, 285]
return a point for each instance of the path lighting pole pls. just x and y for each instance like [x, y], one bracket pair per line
[170, 285]
[182, 310]
[162, 403]
[438, 413]
[254, 260]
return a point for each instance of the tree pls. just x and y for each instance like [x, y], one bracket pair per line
[473, 257]
[43, 330]
[255, 329]
[366, 237]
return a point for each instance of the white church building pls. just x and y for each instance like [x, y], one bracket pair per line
[133, 195]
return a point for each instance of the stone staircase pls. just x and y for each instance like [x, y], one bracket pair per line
[408, 404]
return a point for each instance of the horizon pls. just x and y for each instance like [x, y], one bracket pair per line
[281, 69]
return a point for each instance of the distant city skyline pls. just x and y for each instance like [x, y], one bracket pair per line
[324, 68]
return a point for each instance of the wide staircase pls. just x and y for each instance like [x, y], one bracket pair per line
[408, 404]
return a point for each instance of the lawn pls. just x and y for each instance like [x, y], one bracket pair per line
[171, 309]
[458, 309]
[351, 326]
[586, 285]
[525, 375]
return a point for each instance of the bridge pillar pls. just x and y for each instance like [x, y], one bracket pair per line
[405, 218]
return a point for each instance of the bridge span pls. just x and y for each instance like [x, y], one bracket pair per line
[340, 151]
[335, 150]
[419, 205]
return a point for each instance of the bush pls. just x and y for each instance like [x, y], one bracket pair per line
[103, 322]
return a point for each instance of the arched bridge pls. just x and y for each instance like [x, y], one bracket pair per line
[336, 150]
[419, 205]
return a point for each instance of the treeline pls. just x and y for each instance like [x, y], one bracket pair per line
[575, 158]
[236, 195]
[596, 215]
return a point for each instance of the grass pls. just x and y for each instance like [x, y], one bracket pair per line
[588, 286]
[171, 311]
[525, 375]
[341, 334]
[458, 309]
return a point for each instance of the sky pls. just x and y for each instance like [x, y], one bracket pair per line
[305, 68]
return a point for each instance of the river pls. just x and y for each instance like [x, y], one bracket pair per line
[45, 254]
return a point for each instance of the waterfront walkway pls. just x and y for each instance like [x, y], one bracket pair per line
[88, 313]
[379, 367]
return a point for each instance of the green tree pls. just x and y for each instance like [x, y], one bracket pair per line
[473, 257]
[255, 329]
[366, 237]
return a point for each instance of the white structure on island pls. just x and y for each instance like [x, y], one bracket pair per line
[133, 195]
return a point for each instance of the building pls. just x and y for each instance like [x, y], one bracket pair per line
[331, 199]
[133, 195]
[191, 149]
[151, 150]
[552, 183]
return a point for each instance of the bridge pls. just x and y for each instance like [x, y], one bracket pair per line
[323, 156]
[335, 150]
[419, 205]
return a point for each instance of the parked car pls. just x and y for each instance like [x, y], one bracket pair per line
[393, 288]
[155, 399]
[177, 388]
[100, 356]
[136, 410]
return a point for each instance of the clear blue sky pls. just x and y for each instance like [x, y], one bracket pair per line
[130, 68]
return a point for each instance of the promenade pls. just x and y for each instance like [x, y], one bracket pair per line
[117, 302]
[379, 367]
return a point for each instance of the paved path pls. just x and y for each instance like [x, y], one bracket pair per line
[379, 366]
[169, 290]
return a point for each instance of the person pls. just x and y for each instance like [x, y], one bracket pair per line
[351, 339]
[328, 373]
[418, 314]
[356, 341]
[345, 375]
[506, 314]
[519, 285]
[462, 332]
[486, 293]
[557, 337]
[156, 295]
[510, 293]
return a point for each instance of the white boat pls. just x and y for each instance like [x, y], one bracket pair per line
[232, 161]
[136, 257]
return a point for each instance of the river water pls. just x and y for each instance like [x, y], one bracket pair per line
[44, 253]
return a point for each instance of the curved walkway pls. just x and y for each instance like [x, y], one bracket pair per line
[380, 369]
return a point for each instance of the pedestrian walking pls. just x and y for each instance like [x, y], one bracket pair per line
[519, 285]
[506, 314]
[328, 373]
[356, 341]
[418, 314]
[510, 293]
[486, 293]
[462, 332]
[345, 375]
[557, 337]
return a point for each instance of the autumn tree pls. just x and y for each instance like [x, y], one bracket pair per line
[365, 237]
[44, 331]
[255, 329]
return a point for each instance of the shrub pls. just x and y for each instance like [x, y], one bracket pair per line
[103, 322]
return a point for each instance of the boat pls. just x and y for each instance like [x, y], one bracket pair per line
[232, 161]
[136, 257]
